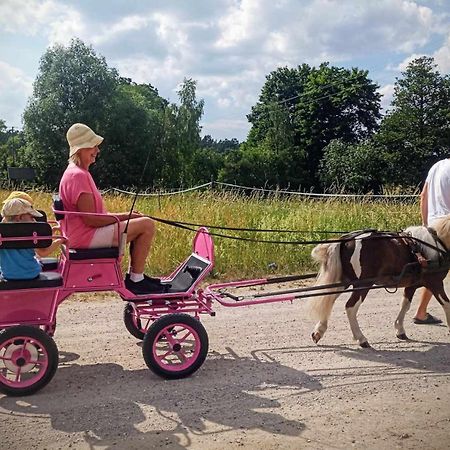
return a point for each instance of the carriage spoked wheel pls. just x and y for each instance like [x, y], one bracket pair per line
[175, 346]
[133, 324]
[28, 360]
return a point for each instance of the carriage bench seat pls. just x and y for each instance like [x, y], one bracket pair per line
[77, 254]
[49, 263]
[44, 280]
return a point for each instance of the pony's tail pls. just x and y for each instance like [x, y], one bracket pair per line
[330, 272]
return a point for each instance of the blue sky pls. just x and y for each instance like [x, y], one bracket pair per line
[228, 46]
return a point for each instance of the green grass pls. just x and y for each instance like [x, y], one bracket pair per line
[239, 259]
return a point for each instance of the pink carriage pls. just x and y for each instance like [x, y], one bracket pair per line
[175, 343]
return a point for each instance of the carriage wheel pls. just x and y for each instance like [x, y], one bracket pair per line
[175, 346]
[28, 360]
[132, 323]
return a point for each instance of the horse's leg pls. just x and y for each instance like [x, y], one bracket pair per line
[319, 330]
[437, 288]
[351, 308]
[323, 311]
[408, 294]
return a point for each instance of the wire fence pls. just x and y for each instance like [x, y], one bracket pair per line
[235, 187]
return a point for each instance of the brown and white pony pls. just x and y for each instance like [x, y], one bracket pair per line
[365, 259]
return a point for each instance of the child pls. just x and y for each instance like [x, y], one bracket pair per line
[22, 264]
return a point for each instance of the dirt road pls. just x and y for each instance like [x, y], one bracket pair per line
[264, 385]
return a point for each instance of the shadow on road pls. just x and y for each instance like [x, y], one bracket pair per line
[109, 403]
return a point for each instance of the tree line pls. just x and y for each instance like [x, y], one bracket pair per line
[312, 128]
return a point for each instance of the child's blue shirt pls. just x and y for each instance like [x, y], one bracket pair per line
[19, 264]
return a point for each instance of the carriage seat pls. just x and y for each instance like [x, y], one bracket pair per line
[78, 254]
[12, 236]
[44, 280]
[49, 263]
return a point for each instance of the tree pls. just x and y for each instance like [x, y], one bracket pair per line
[133, 134]
[416, 132]
[300, 111]
[11, 143]
[73, 85]
[189, 113]
[356, 168]
[247, 166]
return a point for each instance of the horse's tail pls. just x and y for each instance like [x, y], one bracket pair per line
[330, 272]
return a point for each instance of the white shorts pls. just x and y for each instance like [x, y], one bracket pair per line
[104, 236]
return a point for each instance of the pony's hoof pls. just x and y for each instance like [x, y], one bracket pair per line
[403, 337]
[316, 337]
[365, 345]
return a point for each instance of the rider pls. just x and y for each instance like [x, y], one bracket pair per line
[434, 204]
[78, 192]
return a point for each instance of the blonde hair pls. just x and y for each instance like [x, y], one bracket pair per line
[75, 158]
[19, 194]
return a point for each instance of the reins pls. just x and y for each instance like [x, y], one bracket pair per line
[393, 234]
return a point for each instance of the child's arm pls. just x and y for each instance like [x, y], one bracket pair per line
[43, 252]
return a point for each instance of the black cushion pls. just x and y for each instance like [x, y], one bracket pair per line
[48, 264]
[58, 206]
[21, 229]
[45, 280]
[93, 253]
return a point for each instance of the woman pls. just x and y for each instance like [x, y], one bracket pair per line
[78, 192]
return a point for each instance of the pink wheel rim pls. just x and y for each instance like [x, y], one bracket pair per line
[176, 347]
[23, 361]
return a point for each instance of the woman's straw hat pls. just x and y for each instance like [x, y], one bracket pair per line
[81, 136]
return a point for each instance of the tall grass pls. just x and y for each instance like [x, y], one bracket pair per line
[240, 259]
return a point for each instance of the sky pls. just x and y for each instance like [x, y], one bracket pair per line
[227, 46]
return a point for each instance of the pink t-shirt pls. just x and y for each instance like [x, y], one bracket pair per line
[74, 182]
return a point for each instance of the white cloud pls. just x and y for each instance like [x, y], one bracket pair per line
[29, 17]
[229, 46]
[442, 57]
[387, 93]
[123, 26]
[226, 128]
[15, 87]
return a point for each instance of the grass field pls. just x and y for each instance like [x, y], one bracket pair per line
[238, 259]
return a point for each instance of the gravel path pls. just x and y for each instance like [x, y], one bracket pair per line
[264, 384]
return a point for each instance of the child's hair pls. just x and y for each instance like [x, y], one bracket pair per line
[19, 194]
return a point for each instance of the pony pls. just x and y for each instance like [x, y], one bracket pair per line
[364, 259]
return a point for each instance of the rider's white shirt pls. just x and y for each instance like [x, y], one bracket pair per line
[438, 180]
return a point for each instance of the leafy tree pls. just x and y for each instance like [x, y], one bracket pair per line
[416, 132]
[73, 85]
[304, 109]
[247, 166]
[188, 115]
[356, 168]
[11, 143]
[205, 165]
[133, 134]
[221, 146]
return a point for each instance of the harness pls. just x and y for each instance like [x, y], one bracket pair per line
[416, 248]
